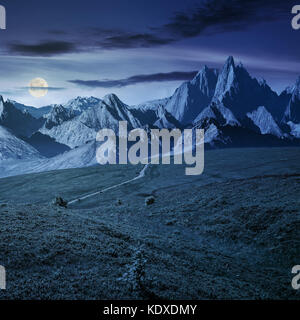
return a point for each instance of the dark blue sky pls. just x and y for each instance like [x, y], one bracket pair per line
[141, 49]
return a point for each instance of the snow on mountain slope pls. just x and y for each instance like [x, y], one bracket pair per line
[295, 129]
[218, 112]
[107, 114]
[13, 148]
[1, 107]
[165, 120]
[292, 112]
[72, 133]
[83, 156]
[241, 93]
[225, 104]
[153, 113]
[223, 128]
[211, 134]
[120, 110]
[21, 124]
[226, 114]
[193, 96]
[207, 113]
[265, 122]
[151, 105]
[233, 88]
[35, 112]
[80, 104]
[57, 116]
[84, 127]
[73, 107]
[227, 80]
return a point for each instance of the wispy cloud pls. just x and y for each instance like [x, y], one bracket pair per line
[219, 16]
[139, 40]
[42, 88]
[208, 17]
[45, 48]
[142, 78]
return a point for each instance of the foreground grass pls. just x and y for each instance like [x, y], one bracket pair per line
[231, 233]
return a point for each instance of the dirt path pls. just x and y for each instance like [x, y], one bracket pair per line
[141, 175]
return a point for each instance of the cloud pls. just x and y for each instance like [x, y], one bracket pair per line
[108, 41]
[207, 17]
[45, 48]
[218, 16]
[42, 88]
[143, 40]
[143, 78]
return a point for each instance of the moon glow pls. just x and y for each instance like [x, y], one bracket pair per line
[38, 87]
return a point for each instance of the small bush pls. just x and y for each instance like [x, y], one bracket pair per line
[60, 202]
[149, 201]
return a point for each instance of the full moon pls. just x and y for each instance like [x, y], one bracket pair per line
[38, 87]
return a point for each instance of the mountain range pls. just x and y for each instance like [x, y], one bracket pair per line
[234, 108]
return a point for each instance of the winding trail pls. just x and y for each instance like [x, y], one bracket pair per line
[140, 176]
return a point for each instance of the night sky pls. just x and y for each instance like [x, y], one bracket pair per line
[140, 49]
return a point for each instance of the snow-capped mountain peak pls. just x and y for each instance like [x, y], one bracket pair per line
[193, 96]
[57, 116]
[233, 108]
[74, 131]
[229, 62]
[226, 79]
[206, 80]
[80, 104]
[241, 93]
[113, 100]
